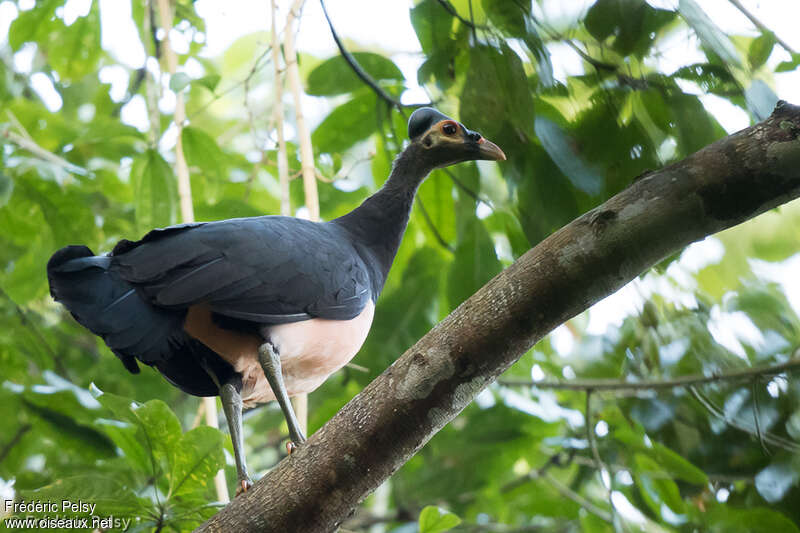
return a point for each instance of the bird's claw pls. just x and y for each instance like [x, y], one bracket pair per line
[291, 447]
[243, 486]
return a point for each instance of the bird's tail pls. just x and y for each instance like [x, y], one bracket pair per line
[110, 307]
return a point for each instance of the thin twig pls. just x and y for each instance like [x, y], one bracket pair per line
[360, 72]
[577, 498]
[598, 461]
[14, 441]
[555, 460]
[217, 95]
[684, 381]
[472, 24]
[452, 10]
[357, 367]
[742, 425]
[757, 418]
[432, 226]
[26, 142]
[475, 196]
[760, 25]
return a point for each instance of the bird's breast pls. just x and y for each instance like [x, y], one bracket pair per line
[310, 350]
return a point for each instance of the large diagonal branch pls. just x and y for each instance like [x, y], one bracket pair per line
[728, 182]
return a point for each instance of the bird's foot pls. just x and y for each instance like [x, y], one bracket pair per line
[243, 486]
[291, 447]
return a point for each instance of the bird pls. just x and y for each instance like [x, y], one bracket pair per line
[260, 308]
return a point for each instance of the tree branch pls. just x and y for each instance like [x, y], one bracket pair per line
[647, 385]
[730, 181]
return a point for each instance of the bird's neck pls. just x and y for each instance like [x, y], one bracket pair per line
[378, 224]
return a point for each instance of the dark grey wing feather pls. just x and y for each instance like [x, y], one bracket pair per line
[262, 269]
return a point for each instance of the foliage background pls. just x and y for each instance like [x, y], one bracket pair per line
[718, 457]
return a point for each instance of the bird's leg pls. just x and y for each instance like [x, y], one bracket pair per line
[232, 405]
[271, 364]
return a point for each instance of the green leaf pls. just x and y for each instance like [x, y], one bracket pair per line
[161, 428]
[474, 264]
[154, 189]
[74, 50]
[32, 24]
[125, 436]
[510, 16]
[546, 200]
[335, 76]
[709, 33]
[110, 495]
[204, 155]
[210, 82]
[194, 461]
[655, 486]
[403, 311]
[67, 412]
[433, 26]
[676, 465]
[728, 519]
[64, 208]
[564, 153]
[593, 524]
[496, 99]
[147, 433]
[634, 24]
[61, 396]
[436, 194]
[760, 49]
[435, 520]
[349, 123]
[179, 81]
[6, 188]
[788, 66]
[711, 78]
[695, 128]
[602, 18]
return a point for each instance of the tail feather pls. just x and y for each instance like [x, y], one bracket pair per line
[109, 306]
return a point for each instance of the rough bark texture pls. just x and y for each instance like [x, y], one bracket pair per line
[730, 181]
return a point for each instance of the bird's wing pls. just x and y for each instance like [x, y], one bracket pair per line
[261, 269]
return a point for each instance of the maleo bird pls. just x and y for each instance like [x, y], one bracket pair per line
[262, 308]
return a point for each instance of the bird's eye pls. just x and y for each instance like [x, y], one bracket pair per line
[449, 128]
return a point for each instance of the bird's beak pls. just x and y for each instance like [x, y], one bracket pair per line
[488, 150]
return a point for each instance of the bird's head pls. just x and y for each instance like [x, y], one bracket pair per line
[444, 141]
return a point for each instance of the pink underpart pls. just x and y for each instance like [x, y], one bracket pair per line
[310, 350]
